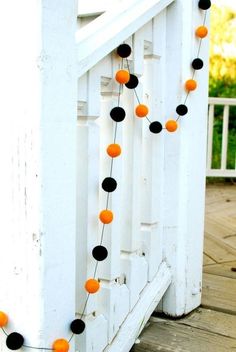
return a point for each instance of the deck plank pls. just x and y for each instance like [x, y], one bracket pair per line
[207, 260]
[218, 250]
[188, 335]
[225, 269]
[207, 320]
[219, 293]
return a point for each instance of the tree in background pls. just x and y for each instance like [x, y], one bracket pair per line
[222, 80]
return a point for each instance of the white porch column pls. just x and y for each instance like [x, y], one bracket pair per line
[185, 154]
[38, 169]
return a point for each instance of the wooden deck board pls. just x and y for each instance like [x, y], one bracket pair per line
[211, 330]
[188, 335]
[225, 269]
[219, 293]
[218, 250]
[207, 260]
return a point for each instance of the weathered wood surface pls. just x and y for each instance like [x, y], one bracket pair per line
[226, 269]
[206, 329]
[219, 293]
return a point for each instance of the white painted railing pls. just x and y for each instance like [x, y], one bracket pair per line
[223, 170]
[152, 238]
[52, 165]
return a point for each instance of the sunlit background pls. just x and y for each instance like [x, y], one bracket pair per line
[222, 75]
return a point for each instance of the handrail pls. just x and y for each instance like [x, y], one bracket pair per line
[223, 171]
[222, 101]
[106, 32]
[92, 8]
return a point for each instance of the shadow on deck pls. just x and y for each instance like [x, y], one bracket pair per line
[212, 327]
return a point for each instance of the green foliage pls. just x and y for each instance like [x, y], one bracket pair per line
[217, 142]
[222, 80]
[224, 87]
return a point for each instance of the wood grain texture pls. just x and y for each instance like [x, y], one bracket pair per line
[218, 250]
[219, 293]
[172, 336]
[225, 269]
[208, 320]
[207, 260]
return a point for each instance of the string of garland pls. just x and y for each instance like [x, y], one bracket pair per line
[15, 340]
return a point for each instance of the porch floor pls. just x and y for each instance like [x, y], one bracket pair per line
[212, 327]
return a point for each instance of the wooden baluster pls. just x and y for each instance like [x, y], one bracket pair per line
[185, 162]
[132, 259]
[210, 137]
[153, 149]
[225, 138]
[114, 298]
[88, 210]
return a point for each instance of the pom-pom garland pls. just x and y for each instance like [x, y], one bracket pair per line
[109, 184]
[171, 125]
[124, 50]
[133, 82]
[201, 32]
[197, 64]
[117, 114]
[60, 345]
[3, 319]
[122, 76]
[15, 340]
[204, 4]
[114, 150]
[182, 110]
[106, 216]
[100, 253]
[141, 110]
[155, 127]
[77, 326]
[190, 85]
[92, 286]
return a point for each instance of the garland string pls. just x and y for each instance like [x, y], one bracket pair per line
[15, 340]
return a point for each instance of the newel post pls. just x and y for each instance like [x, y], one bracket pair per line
[38, 169]
[185, 159]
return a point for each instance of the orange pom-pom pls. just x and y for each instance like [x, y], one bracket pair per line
[122, 76]
[106, 216]
[201, 32]
[141, 110]
[114, 150]
[190, 84]
[92, 286]
[171, 125]
[3, 319]
[60, 345]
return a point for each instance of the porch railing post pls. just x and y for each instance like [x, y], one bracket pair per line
[185, 159]
[38, 177]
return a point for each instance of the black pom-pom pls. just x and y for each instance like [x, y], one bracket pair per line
[117, 114]
[109, 184]
[124, 50]
[197, 64]
[204, 4]
[181, 109]
[77, 326]
[100, 253]
[155, 127]
[133, 82]
[14, 341]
